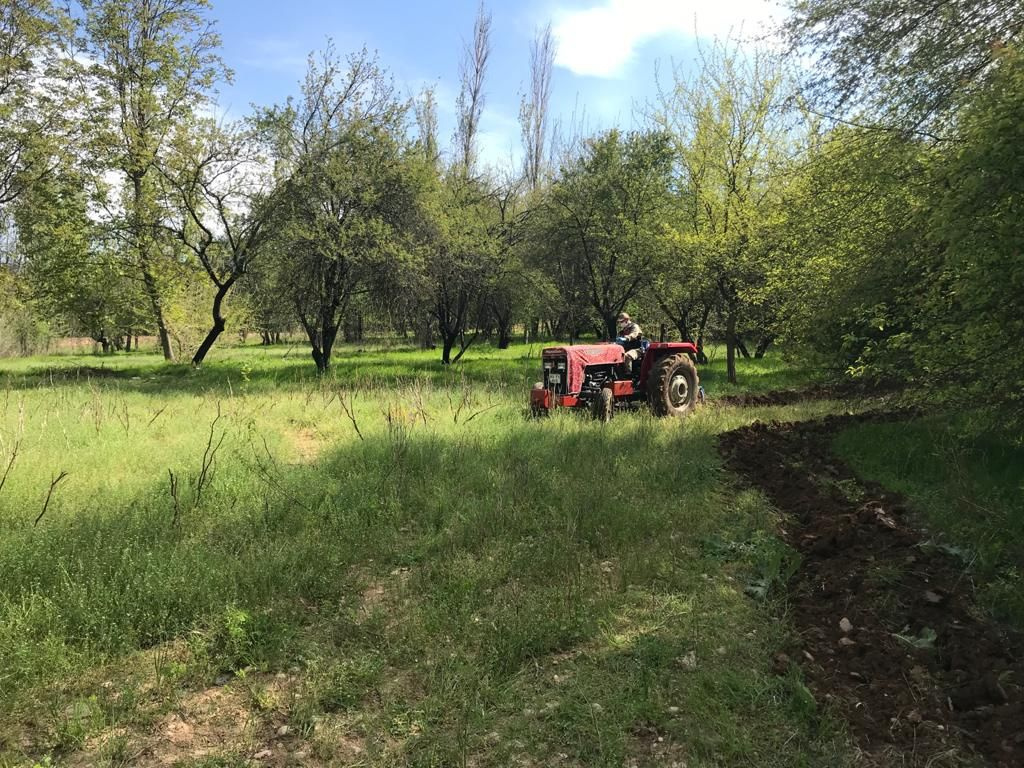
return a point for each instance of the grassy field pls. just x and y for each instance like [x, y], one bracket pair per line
[389, 566]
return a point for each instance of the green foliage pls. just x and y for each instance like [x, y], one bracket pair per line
[851, 279]
[732, 143]
[603, 223]
[910, 63]
[973, 340]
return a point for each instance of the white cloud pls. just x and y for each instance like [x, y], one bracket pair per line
[600, 41]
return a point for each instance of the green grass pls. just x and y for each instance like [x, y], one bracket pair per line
[439, 578]
[968, 487]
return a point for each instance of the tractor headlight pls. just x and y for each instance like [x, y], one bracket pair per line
[547, 365]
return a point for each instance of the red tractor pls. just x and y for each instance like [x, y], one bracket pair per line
[600, 378]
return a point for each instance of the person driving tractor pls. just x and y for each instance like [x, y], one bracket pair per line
[629, 337]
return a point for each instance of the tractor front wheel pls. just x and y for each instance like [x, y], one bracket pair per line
[672, 386]
[603, 405]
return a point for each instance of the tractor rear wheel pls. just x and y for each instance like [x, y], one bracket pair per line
[672, 386]
[603, 406]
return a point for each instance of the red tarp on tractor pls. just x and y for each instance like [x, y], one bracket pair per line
[580, 356]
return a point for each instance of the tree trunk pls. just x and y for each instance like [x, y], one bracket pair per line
[610, 326]
[447, 342]
[218, 324]
[762, 346]
[702, 358]
[730, 346]
[742, 348]
[504, 333]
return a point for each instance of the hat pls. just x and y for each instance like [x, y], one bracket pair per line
[623, 316]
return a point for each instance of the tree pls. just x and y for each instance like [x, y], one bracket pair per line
[72, 271]
[731, 140]
[352, 187]
[472, 72]
[33, 100]
[603, 222]
[154, 64]
[971, 341]
[220, 184]
[850, 272]
[533, 110]
[909, 63]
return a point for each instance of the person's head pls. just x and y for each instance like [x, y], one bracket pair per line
[623, 319]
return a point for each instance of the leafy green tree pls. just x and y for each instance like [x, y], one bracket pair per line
[352, 188]
[34, 100]
[972, 336]
[851, 269]
[219, 183]
[731, 136]
[603, 221]
[154, 64]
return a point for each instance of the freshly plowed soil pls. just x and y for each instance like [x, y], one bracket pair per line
[816, 392]
[889, 635]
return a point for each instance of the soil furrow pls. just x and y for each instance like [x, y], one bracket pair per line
[888, 634]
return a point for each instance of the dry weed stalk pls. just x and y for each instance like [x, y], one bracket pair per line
[347, 407]
[49, 495]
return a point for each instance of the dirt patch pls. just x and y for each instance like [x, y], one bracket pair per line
[245, 718]
[889, 634]
[307, 443]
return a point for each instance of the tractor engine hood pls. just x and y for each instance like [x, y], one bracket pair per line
[579, 356]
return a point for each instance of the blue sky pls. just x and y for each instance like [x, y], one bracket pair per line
[607, 51]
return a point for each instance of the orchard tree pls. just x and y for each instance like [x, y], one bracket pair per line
[34, 100]
[975, 216]
[352, 187]
[603, 223]
[731, 136]
[155, 63]
[73, 271]
[219, 183]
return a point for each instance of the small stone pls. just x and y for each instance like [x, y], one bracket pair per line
[933, 597]
[846, 625]
[284, 730]
[263, 754]
[809, 656]
[661, 739]
[301, 755]
[222, 680]
[914, 717]
[281, 676]
[720, 651]
[846, 642]
[597, 707]
[673, 710]
[689, 661]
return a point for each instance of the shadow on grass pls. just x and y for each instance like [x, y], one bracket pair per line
[481, 560]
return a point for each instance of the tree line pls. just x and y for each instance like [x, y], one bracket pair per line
[865, 210]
